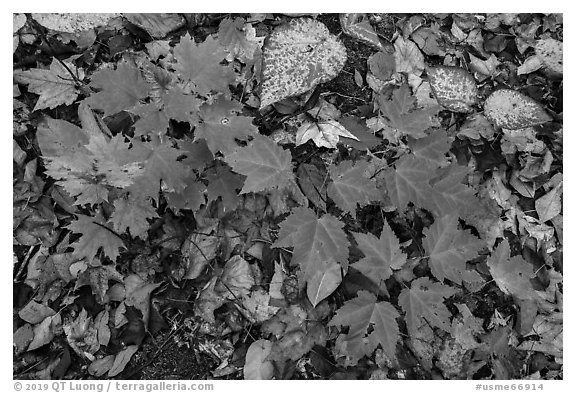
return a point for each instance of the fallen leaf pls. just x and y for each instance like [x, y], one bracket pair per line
[256, 366]
[265, 165]
[409, 59]
[121, 360]
[454, 88]
[35, 312]
[55, 86]
[258, 306]
[298, 56]
[550, 205]
[324, 133]
[357, 26]
[550, 52]
[323, 282]
[157, 25]
[512, 110]
[99, 367]
[72, 22]
[45, 331]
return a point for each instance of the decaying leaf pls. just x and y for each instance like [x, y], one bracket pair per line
[121, 360]
[297, 57]
[454, 88]
[512, 110]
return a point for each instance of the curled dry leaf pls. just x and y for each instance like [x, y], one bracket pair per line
[324, 134]
[512, 110]
[297, 57]
[454, 88]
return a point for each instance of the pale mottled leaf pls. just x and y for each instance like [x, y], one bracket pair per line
[454, 88]
[298, 56]
[512, 110]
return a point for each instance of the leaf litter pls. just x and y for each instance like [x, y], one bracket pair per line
[388, 216]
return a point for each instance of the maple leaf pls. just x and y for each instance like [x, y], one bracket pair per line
[132, 213]
[423, 302]
[232, 36]
[95, 235]
[59, 137]
[432, 148]
[450, 195]
[449, 248]
[265, 165]
[121, 89]
[200, 63]
[180, 106]
[381, 254]
[512, 275]
[86, 172]
[191, 197]
[363, 314]
[350, 186]
[161, 165]
[401, 115]
[97, 277]
[409, 182]
[220, 126]
[197, 153]
[313, 239]
[152, 119]
[223, 183]
[55, 86]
